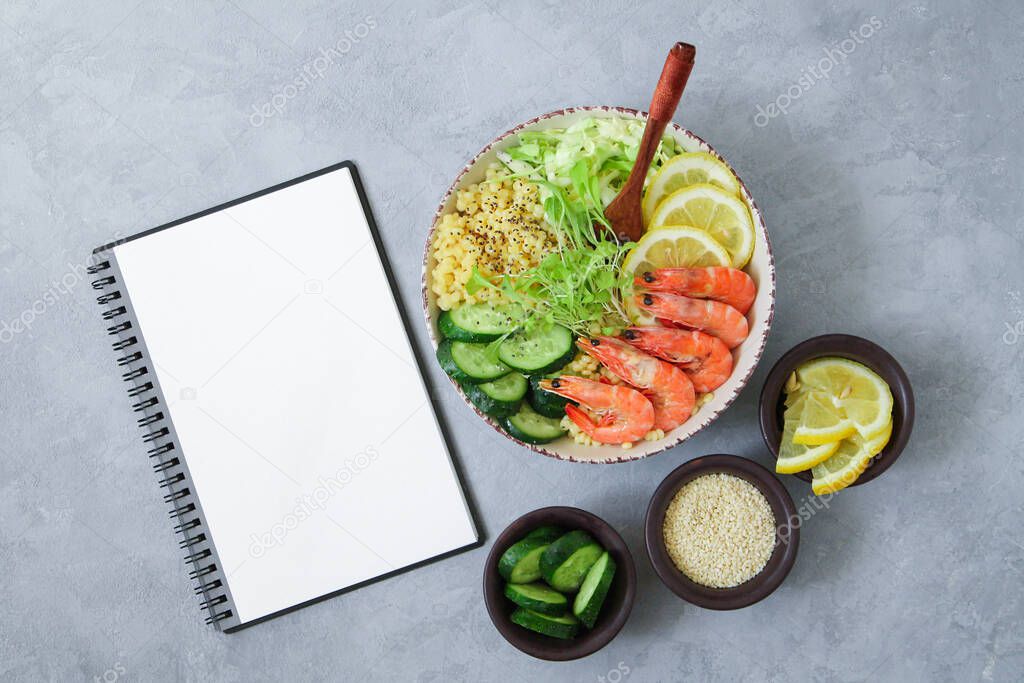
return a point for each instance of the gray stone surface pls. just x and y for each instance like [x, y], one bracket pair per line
[891, 187]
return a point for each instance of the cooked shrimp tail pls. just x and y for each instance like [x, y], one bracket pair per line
[667, 387]
[714, 317]
[706, 360]
[728, 285]
[607, 413]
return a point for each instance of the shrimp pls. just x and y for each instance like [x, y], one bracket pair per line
[667, 387]
[608, 413]
[713, 317]
[706, 360]
[728, 285]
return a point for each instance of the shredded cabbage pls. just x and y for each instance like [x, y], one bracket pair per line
[607, 147]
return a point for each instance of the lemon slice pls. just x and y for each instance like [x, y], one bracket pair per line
[879, 442]
[821, 422]
[724, 216]
[859, 394]
[687, 169]
[670, 247]
[795, 457]
[851, 458]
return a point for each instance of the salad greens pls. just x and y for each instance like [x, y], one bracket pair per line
[579, 170]
[608, 146]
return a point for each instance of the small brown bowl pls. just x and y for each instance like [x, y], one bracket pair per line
[868, 353]
[787, 534]
[616, 606]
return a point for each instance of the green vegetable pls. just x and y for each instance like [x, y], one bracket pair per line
[498, 398]
[607, 146]
[482, 322]
[564, 626]
[521, 562]
[594, 590]
[565, 563]
[537, 597]
[469, 363]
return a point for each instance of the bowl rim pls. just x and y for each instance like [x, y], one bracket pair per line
[853, 348]
[787, 533]
[706, 417]
[552, 649]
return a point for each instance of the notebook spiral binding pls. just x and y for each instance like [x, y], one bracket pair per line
[157, 435]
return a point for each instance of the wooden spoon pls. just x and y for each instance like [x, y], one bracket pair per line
[624, 213]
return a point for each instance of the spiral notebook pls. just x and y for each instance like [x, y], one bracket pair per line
[280, 399]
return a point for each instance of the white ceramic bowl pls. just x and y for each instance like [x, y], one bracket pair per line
[747, 355]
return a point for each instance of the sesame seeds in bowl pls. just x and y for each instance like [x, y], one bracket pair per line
[721, 532]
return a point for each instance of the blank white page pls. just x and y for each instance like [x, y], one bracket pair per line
[303, 419]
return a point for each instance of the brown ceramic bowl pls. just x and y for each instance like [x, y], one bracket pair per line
[787, 536]
[857, 349]
[617, 604]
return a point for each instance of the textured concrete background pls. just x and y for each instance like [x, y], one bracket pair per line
[891, 186]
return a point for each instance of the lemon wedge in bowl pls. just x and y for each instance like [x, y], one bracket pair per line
[821, 422]
[794, 457]
[687, 169]
[722, 215]
[848, 462]
[856, 392]
[671, 246]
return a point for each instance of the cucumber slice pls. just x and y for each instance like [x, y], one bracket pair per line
[540, 351]
[594, 590]
[480, 322]
[565, 563]
[549, 532]
[498, 398]
[546, 403]
[565, 626]
[521, 562]
[537, 597]
[468, 363]
[529, 427]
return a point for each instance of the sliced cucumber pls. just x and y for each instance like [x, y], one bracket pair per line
[594, 590]
[550, 532]
[565, 563]
[540, 351]
[565, 626]
[500, 397]
[537, 597]
[546, 403]
[521, 562]
[529, 427]
[480, 322]
[469, 363]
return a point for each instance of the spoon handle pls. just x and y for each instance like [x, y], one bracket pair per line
[624, 212]
[674, 75]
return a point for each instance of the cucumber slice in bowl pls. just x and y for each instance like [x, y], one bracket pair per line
[565, 626]
[479, 322]
[565, 563]
[521, 562]
[537, 597]
[539, 351]
[594, 590]
[498, 398]
[529, 427]
[469, 363]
